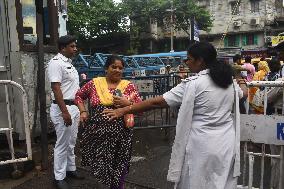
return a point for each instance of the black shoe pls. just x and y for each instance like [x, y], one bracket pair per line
[74, 175]
[61, 184]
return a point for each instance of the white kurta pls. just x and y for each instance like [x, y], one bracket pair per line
[204, 150]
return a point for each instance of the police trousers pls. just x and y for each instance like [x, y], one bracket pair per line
[64, 157]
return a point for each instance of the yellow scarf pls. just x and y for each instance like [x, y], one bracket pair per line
[105, 96]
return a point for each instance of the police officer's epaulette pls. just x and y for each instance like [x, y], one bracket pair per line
[190, 78]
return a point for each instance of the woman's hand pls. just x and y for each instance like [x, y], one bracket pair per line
[120, 101]
[113, 114]
[83, 116]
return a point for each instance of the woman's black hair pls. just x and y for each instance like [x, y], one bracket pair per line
[220, 72]
[274, 65]
[111, 59]
[248, 59]
[236, 58]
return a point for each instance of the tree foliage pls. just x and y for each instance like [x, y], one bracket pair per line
[89, 19]
[94, 20]
[187, 9]
[141, 11]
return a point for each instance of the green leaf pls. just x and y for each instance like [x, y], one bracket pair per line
[90, 19]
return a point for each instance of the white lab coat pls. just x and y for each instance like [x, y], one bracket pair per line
[205, 154]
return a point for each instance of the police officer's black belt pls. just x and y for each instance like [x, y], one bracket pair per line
[67, 102]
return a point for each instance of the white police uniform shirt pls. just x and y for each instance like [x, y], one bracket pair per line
[61, 70]
[203, 154]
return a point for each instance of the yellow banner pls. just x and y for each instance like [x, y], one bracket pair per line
[276, 39]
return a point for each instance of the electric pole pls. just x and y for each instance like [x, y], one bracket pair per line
[41, 84]
[171, 10]
[172, 30]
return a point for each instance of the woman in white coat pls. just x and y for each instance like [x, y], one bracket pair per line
[205, 153]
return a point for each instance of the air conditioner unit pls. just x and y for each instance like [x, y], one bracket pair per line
[268, 39]
[237, 23]
[254, 21]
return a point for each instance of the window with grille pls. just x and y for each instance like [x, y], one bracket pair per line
[254, 6]
[249, 39]
[232, 41]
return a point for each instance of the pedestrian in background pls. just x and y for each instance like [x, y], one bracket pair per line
[275, 67]
[237, 59]
[107, 145]
[205, 153]
[64, 113]
[239, 71]
[263, 70]
[275, 105]
[274, 75]
[256, 93]
[182, 72]
[240, 74]
[249, 67]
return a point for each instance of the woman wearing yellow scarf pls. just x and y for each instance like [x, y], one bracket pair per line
[263, 70]
[107, 144]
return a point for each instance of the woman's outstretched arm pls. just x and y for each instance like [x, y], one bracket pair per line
[149, 104]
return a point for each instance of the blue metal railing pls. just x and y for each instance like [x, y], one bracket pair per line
[146, 64]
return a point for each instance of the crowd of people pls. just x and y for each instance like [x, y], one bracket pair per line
[205, 153]
[260, 69]
[270, 69]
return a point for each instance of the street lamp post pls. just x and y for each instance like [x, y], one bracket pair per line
[172, 32]
[172, 27]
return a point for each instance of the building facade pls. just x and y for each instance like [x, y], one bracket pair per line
[248, 24]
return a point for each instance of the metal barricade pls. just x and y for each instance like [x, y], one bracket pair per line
[261, 129]
[8, 131]
[152, 86]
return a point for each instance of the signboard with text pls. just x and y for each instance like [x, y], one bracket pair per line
[276, 39]
[268, 129]
[144, 86]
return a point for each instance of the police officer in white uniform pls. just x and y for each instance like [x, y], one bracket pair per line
[63, 112]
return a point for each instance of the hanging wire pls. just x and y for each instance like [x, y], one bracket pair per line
[229, 23]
